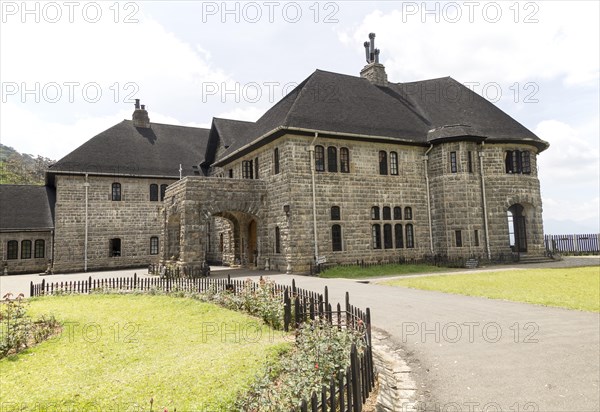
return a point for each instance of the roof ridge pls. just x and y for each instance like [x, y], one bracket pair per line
[304, 83]
[169, 124]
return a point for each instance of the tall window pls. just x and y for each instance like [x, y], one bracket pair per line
[40, 249]
[453, 164]
[163, 190]
[458, 238]
[12, 249]
[517, 162]
[154, 245]
[393, 163]
[470, 161]
[525, 163]
[154, 192]
[335, 213]
[344, 160]
[408, 213]
[376, 235]
[399, 236]
[319, 158]
[331, 159]
[276, 160]
[277, 240]
[247, 171]
[410, 238]
[336, 238]
[397, 213]
[383, 169]
[114, 247]
[116, 191]
[231, 173]
[26, 249]
[387, 213]
[387, 236]
[256, 168]
[476, 237]
[375, 213]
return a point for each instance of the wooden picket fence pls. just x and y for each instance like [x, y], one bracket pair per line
[346, 392]
[573, 244]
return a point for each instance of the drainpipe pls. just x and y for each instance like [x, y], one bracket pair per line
[311, 149]
[485, 214]
[85, 241]
[426, 159]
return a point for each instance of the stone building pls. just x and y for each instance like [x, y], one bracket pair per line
[341, 169]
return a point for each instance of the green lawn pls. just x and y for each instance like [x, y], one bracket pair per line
[117, 352]
[572, 288]
[356, 272]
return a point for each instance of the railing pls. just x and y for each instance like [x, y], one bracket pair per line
[573, 244]
[346, 392]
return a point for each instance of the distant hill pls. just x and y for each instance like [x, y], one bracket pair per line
[17, 168]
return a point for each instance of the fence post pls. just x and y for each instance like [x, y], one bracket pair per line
[287, 310]
[355, 373]
[134, 280]
[43, 286]
[31, 289]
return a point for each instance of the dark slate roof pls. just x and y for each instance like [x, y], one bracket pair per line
[128, 150]
[26, 207]
[414, 113]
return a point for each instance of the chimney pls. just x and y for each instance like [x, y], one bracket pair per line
[373, 71]
[140, 116]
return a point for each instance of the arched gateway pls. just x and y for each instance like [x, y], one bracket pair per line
[194, 202]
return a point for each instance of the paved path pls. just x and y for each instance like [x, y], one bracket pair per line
[474, 354]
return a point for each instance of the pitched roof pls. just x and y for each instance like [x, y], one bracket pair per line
[406, 112]
[128, 150]
[26, 207]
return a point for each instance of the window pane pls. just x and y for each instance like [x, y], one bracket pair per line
[153, 192]
[393, 163]
[410, 241]
[114, 247]
[408, 213]
[256, 167]
[336, 238]
[331, 159]
[476, 237]
[163, 190]
[387, 213]
[458, 238]
[335, 213]
[387, 236]
[397, 213]
[277, 240]
[470, 161]
[508, 161]
[247, 170]
[12, 249]
[399, 236]
[116, 191]
[319, 158]
[276, 160]
[40, 248]
[453, 165]
[376, 233]
[375, 213]
[154, 245]
[26, 249]
[383, 163]
[344, 160]
[526, 162]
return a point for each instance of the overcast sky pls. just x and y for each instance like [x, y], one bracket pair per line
[70, 70]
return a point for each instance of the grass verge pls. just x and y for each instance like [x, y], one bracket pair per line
[572, 288]
[118, 352]
[357, 272]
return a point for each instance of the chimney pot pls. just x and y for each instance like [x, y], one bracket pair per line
[137, 103]
[143, 107]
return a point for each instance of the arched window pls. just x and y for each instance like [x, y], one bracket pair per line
[276, 161]
[387, 213]
[335, 213]
[277, 240]
[26, 249]
[383, 169]
[407, 213]
[336, 238]
[375, 213]
[331, 159]
[116, 191]
[154, 192]
[376, 235]
[410, 238]
[344, 160]
[399, 236]
[154, 245]
[387, 236]
[40, 249]
[393, 163]
[397, 213]
[319, 158]
[12, 249]
[163, 190]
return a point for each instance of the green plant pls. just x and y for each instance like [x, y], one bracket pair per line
[15, 325]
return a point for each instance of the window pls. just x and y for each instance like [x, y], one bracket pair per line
[453, 165]
[26, 249]
[375, 213]
[154, 192]
[40, 249]
[154, 245]
[319, 158]
[231, 173]
[397, 213]
[116, 191]
[476, 237]
[114, 247]
[376, 234]
[407, 213]
[277, 240]
[276, 160]
[525, 163]
[336, 238]
[247, 169]
[12, 249]
[256, 167]
[335, 213]
[387, 236]
[410, 239]
[387, 213]
[331, 159]
[393, 163]
[399, 236]
[517, 162]
[458, 238]
[470, 161]
[383, 163]
[163, 190]
[344, 160]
